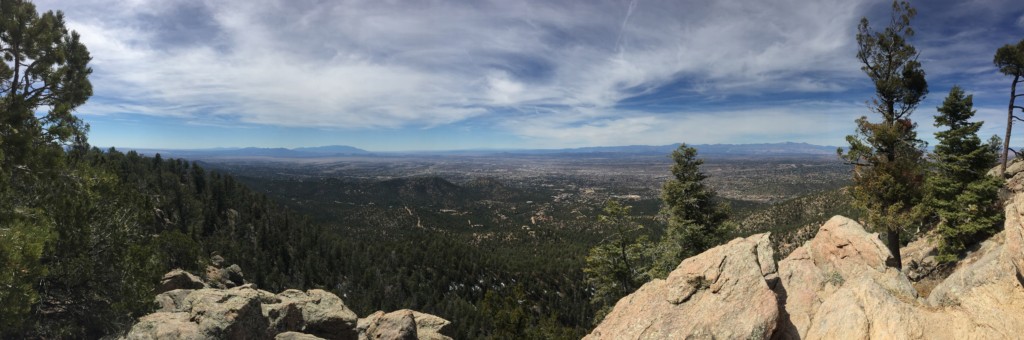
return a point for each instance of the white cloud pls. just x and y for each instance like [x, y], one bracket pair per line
[822, 123]
[356, 64]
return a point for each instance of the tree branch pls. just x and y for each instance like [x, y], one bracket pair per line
[1015, 153]
[856, 163]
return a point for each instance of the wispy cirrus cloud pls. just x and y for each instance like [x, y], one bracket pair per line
[591, 68]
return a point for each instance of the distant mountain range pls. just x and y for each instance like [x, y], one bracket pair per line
[762, 149]
[310, 152]
[788, 148]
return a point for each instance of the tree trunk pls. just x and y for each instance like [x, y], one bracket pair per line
[894, 247]
[1009, 123]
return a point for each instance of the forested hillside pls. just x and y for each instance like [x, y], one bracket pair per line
[122, 219]
[96, 236]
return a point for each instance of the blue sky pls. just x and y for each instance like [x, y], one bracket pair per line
[431, 75]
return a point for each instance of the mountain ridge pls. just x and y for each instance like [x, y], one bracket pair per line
[750, 149]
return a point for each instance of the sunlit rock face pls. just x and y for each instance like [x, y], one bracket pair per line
[840, 284]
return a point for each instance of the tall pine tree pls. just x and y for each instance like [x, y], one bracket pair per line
[888, 158]
[959, 191]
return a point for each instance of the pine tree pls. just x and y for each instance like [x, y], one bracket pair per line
[1010, 60]
[45, 65]
[697, 219]
[959, 191]
[44, 69]
[888, 158]
[620, 264]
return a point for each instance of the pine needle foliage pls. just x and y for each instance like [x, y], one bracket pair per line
[959, 191]
[697, 217]
[620, 264]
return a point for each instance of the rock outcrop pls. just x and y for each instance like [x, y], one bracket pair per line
[841, 256]
[402, 324]
[191, 309]
[180, 279]
[723, 293]
[840, 284]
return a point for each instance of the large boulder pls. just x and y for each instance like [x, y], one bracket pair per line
[839, 285]
[397, 325]
[316, 312]
[179, 279]
[841, 253]
[227, 313]
[430, 327]
[725, 292]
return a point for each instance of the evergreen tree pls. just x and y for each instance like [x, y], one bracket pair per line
[620, 264]
[697, 219]
[888, 158]
[44, 66]
[959, 191]
[1010, 60]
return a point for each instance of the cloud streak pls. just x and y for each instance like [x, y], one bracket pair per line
[419, 65]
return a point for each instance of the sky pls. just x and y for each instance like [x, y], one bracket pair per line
[389, 75]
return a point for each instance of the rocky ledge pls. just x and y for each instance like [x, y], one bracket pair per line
[225, 307]
[840, 284]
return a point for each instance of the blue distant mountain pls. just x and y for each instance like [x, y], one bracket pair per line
[312, 152]
[767, 149]
[722, 150]
[333, 150]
